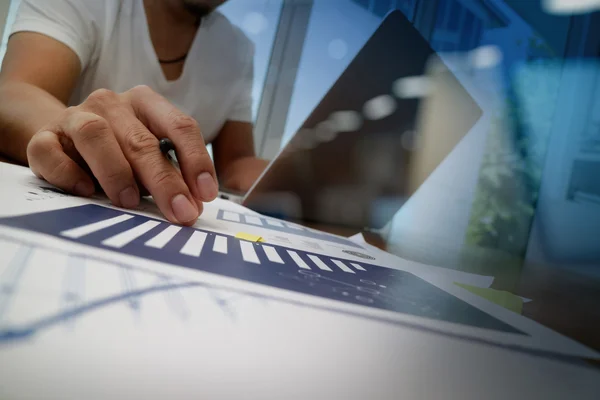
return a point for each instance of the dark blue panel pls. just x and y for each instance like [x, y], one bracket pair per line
[453, 18]
[382, 7]
[363, 3]
[376, 287]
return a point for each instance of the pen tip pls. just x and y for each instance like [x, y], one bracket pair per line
[166, 145]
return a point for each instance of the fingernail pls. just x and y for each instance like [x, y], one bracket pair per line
[129, 197]
[184, 210]
[207, 187]
[84, 188]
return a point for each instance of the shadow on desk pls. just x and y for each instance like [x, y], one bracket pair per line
[6, 160]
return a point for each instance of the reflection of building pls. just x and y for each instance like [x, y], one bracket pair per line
[382, 7]
[460, 24]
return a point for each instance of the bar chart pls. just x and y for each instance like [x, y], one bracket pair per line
[282, 226]
[262, 263]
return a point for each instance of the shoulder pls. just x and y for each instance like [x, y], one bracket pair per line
[79, 15]
[85, 8]
[76, 23]
[230, 37]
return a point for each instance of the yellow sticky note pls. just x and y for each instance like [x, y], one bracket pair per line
[249, 237]
[505, 299]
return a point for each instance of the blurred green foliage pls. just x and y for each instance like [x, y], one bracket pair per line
[511, 169]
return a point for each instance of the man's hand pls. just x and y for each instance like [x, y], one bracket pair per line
[115, 137]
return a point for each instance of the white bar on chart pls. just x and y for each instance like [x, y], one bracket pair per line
[95, 227]
[272, 254]
[251, 219]
[319, 263]
[193, 247]
[294, 226]
[343, 266]
[159, 241]
[129, 235]
[248, 252]
[220, 244]
[274, 222]
[299, 262]
[231, 216]
[358, 266]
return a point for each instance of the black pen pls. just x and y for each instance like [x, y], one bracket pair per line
[168, 149]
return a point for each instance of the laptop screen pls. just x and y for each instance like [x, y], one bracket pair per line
[388, 121]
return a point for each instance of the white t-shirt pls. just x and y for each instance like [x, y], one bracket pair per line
[112, 40]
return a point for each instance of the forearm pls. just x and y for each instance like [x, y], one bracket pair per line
[241, 174]
[24, 109]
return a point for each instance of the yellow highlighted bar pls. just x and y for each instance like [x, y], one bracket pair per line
[249, 237]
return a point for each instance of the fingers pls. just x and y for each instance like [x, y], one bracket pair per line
[165, 120]
[94, 140]
[48, 161]
[116, 136]
[154, 171]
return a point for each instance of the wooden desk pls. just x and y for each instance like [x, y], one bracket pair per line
[6, 160]
[563, 300]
